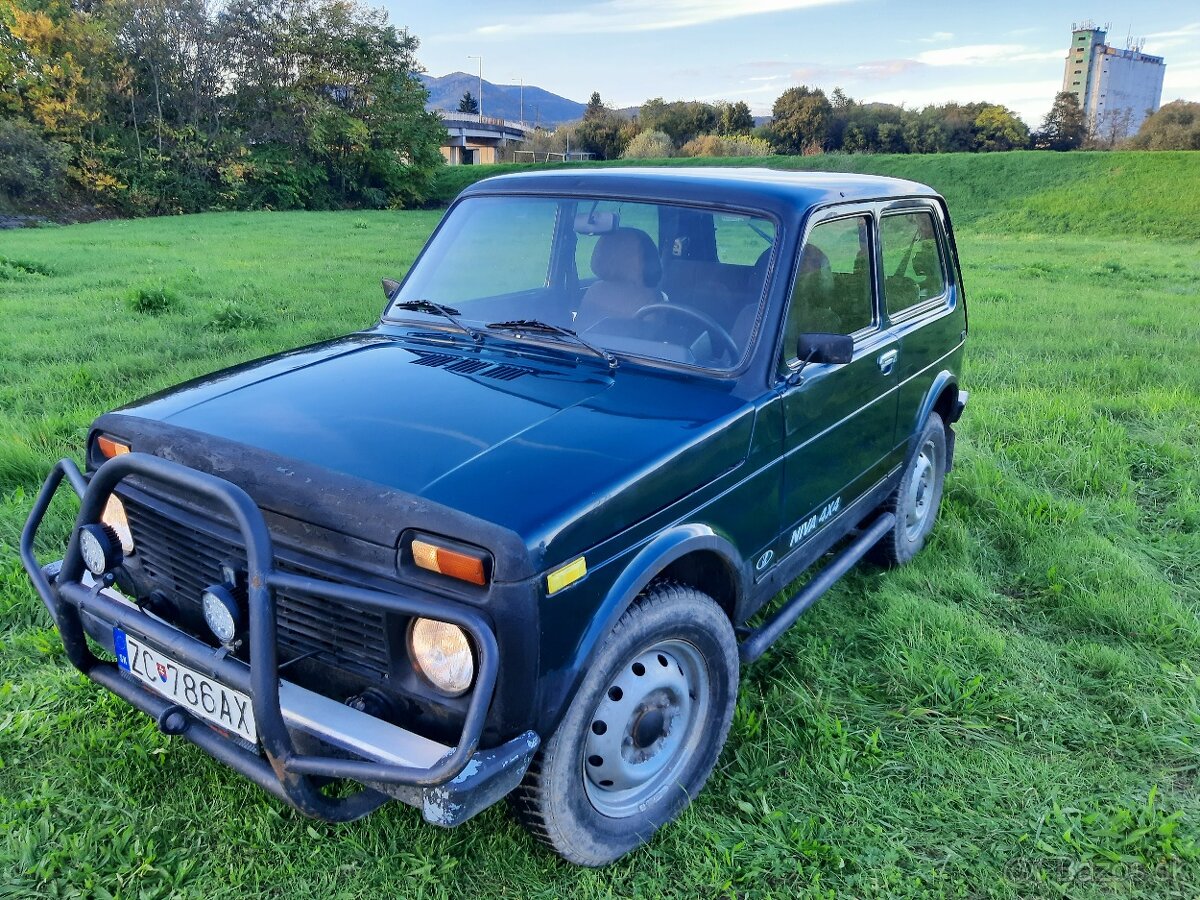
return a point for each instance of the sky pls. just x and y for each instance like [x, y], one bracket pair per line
[911, 52]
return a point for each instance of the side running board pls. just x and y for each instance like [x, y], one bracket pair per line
[756, 643]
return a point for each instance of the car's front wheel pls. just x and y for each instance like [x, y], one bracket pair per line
[642, 733]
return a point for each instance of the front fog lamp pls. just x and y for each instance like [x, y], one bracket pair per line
[222, 613]
[101, 548]
[442, 654]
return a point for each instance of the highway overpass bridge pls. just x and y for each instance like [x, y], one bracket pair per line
[473, 138]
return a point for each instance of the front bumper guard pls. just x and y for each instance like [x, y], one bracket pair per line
[450, 784]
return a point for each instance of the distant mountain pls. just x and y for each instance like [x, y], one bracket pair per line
[502, 100]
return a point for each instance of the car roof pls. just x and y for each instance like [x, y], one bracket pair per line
[754, 188]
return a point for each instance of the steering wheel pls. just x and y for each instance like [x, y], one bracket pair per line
[711, 325]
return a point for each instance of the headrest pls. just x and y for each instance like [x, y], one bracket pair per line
[760, 266]
[813, 260]
[627, 256]
[925, 261]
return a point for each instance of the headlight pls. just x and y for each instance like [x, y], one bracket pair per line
[222, 613]
[100, 547]
[114, 517]
[441, 653]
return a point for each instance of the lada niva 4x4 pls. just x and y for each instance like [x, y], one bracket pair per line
[517, 537]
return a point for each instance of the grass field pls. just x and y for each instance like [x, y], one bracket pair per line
[1116, 194]
[1015, 714]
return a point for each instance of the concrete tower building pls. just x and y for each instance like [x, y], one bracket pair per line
[1117, 89]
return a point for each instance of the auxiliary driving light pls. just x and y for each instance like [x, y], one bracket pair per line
[441, 653]
[222, 612]
[100, 546]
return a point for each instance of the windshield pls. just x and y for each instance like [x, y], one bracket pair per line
[674, 283]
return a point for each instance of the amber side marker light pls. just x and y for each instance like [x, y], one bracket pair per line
[566, 575]
[110, 447]
[451, 563]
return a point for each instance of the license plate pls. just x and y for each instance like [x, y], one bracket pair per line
[208, 699]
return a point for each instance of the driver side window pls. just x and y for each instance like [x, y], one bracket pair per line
[832, 293]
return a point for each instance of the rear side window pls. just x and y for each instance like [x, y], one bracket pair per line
[833, 283]
[742, 240]
[912, 263]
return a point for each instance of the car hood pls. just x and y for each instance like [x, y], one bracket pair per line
[561, 452]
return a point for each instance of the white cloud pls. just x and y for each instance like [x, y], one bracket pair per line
[1182, 81]
[1159, 43]
[618, 16]
[986, 55]
[1192, 28]
[938, 37]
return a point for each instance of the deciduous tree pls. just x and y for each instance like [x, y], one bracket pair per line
[681, 120]
[998, 128]
[736, 118]
[1174, 127]
[800, 120]
[1064, 127]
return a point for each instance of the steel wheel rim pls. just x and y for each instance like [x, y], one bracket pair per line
[919, 499]
[645, 728]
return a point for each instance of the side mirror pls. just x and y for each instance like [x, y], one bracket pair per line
[836, 349]
[390, 287]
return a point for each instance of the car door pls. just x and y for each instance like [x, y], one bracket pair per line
[920, 300]
[840, 420]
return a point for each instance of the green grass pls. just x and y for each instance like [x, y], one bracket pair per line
[1015, 714]
[1152, 194]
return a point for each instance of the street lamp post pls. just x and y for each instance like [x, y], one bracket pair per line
[480, 58]
[522, 118]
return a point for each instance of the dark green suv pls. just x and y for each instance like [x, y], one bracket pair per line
[517, 537]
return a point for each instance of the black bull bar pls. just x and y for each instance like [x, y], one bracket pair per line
[447, 793]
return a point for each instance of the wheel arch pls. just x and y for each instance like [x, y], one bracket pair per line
[691, 554]
[941, 398]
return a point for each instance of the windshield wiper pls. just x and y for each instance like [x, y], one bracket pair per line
[547, 328]
[449, 312]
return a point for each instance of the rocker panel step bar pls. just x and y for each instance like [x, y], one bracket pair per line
[756, 643]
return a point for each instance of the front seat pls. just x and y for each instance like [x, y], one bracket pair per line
[744, 322]
[814, 305]
[627, 264]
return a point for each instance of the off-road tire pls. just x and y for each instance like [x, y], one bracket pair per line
[924, 478]
[555, 800]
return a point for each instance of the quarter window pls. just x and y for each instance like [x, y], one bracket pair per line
[833, 282]
[912, 263]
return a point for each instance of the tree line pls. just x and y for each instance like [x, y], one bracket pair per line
[804, 120]
[165, 106]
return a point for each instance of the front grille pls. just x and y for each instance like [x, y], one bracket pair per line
[183, 560]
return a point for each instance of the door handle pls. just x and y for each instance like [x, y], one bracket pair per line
[887, 361]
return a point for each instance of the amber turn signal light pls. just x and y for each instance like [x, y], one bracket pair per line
[460, 564]
[110, 447]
